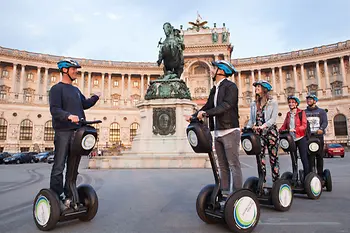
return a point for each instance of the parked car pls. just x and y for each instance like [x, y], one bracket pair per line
[22, 157]
[42, 157]
[4, 155]
[50, 158]
[334, 149]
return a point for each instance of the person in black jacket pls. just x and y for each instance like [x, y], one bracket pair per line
[222, 110]
[67, 106]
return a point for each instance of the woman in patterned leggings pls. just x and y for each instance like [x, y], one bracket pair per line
[263, 115]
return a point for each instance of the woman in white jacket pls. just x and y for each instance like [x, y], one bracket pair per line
[263, 115]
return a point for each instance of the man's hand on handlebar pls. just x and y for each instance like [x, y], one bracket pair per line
[320, 131]
[73, 118]
[201, 115]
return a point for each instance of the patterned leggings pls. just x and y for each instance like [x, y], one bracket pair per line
[270, 140]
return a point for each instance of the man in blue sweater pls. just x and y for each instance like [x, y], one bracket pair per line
[317, 117]
[67, 106]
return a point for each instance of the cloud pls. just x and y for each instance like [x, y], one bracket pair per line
[97, 13]
[113, 16]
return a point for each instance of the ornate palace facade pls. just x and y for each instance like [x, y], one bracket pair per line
[26, 78]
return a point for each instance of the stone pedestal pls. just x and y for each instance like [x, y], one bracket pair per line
[163, 127]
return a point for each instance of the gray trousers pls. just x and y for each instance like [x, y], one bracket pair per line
[227, 150]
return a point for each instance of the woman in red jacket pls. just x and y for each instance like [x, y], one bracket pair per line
[296, 123]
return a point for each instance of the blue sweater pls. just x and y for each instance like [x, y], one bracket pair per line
[317, 117]
[65, 100]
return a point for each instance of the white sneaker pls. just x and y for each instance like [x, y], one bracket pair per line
[65, 204]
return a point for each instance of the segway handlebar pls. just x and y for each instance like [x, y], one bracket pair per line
[284, 131]
[85, 122]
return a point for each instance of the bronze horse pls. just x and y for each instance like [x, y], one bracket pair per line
[171, 51]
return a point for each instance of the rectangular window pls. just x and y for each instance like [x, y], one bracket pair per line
[311, 73]
[96, 82]
[247, 80]
[288, 76]
[136, 84]
[335, 69]
[115, 83]
[53, 79]
[30, 77]
[3, 95]
[338, 92]
[5, 74]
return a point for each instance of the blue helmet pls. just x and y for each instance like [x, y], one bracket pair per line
[293, 98]
[264, 84]
[227, 67]
[67, 63]
[312, 96]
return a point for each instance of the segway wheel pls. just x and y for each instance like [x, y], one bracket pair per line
[46, 210]
[328, 180]
[252, 184]
[203, 199]
[242, 211]
[89, 199]
[287, 176]
[313, 186]
[282, 195]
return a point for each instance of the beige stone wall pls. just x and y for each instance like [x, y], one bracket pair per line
[200, 51]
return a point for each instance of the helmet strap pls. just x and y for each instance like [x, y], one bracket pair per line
[214, 78]
[67, 74]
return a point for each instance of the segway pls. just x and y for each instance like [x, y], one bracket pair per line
[84, 204]
[241, 209]
[314, 149]
[280, 195]
[309, 185]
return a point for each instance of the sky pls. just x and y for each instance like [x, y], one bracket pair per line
[129, 30]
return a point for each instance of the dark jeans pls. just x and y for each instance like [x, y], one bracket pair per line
[302, 147]
[319, 160]
[227, 150]
[62, 148]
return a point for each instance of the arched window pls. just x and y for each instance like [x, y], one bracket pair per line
[340, 126]
[49, 133]
[114, 132]
[133, 130]
[97, 127]
[26, 130]
[3, 129]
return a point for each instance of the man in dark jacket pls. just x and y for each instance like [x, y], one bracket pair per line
[317, 118]
[67, 106]
[222, 110]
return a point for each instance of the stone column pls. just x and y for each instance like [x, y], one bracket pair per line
[82, 82]
[122, 97]
[129, 87]
[240, 96]
[328, 88]
[319, 83]
[14, 81]
[252, 80]
[274, 81]
[295, 80]
[21, 83]
[148, 79]
[46, 78]
[109, 87]
[89, 85]
[38, 83]
[142, 86]
[259, 74]
[282, 97]
[303, 85]
[103, 87]
[343, 73]
[61, 76]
